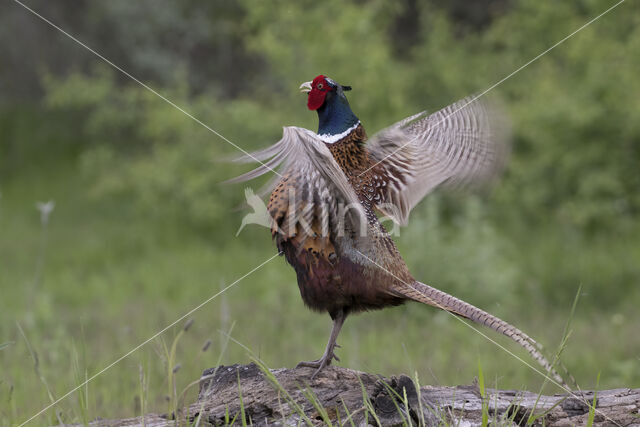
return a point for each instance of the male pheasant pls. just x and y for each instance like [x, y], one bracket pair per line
[324, 202]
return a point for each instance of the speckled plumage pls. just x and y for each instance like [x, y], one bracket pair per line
[329, 275]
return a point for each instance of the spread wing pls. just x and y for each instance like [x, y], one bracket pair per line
[462, 144]
[310, 192]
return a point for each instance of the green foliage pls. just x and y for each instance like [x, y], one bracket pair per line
[142, 149]
[576, 124]
[574, 115]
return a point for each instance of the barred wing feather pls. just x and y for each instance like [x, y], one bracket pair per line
[464, 144]
[318, 188]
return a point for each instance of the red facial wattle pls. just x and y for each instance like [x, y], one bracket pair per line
[319, 89]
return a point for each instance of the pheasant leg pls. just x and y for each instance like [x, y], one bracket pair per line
[328, 355]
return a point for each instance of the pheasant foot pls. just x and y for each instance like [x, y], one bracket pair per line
[329, 354]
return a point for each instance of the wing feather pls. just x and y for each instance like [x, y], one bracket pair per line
[321, 186]
[464, 144]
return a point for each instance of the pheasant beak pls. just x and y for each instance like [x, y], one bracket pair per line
[305, 87]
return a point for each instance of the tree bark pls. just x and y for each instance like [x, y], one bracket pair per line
[346, 397]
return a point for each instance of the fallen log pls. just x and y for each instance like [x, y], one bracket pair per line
[342, 396]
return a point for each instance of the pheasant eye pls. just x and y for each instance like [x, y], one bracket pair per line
[319, 86]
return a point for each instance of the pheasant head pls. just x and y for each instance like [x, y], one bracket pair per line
[327, 98]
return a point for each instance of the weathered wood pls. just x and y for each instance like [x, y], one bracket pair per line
[349, 396]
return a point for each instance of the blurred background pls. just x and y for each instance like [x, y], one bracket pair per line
[139, 229]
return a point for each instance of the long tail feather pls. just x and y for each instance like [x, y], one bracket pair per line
[426, 294]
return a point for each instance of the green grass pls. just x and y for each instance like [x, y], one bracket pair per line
[112, 277]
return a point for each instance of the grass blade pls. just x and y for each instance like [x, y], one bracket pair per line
[483, 395]
[6, 344]
[592, 407]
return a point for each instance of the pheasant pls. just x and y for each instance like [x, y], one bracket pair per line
[324, 203]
